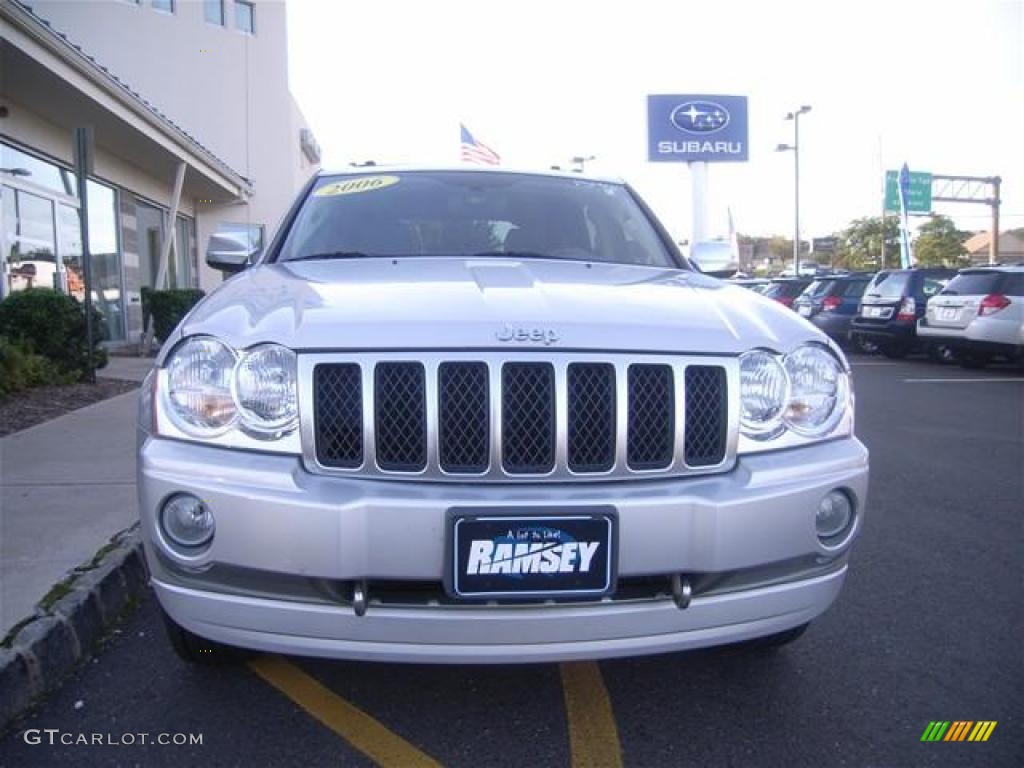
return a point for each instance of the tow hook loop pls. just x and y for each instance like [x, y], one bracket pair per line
[682, 591]
[359, 597]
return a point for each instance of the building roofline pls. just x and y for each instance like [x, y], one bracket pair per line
[175, 139]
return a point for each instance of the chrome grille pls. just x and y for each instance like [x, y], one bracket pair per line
[465, 416]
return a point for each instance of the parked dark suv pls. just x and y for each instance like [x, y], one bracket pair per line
[891, 306]
[831, 301]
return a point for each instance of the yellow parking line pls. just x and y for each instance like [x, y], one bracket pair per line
[593, 735]
[385, 748]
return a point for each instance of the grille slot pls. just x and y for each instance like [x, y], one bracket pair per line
[464, 429]
[651, 417]
[591, 404]
[707, 405]
[338, 400]
[400, 422]
[528, 418]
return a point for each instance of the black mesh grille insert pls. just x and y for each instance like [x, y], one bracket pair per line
[400, 422]
[591, 389]
[528, 417]
[651, 417]
[465, 430]
[706, 415]
[338, 404]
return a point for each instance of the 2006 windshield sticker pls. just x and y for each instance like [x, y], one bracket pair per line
[354, 186]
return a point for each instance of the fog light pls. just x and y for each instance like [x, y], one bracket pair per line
[186, 521]
[835, 513]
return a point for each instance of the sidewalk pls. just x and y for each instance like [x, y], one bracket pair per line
[66, 486]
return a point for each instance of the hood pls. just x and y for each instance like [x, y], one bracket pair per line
[442, 303]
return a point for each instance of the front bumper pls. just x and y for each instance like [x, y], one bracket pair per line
[279, 527]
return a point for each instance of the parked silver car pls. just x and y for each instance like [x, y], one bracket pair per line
[979, 315]
[473, 415]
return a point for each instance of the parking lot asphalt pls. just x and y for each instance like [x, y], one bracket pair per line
[928, 627]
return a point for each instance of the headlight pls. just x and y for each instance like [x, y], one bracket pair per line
[819, 391]
[199, 387]
[265, 391]
[764, 391]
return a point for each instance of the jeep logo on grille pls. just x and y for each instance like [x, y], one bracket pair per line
[545, 336]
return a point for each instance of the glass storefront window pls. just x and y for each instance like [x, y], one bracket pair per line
[107, 291]
[29, 241]
[23, 165]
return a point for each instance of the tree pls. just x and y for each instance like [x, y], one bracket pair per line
[860, 244]
[939, 243]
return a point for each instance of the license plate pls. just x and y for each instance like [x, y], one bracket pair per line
[948, 313]
[497, 553]
[804, 310]
[873, 311]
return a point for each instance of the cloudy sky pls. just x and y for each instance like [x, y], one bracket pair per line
[939, 85]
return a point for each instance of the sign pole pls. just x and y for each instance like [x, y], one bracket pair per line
[83, 167]
[906, 254]
[699, 200]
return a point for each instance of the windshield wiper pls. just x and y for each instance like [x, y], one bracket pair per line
[331, 255]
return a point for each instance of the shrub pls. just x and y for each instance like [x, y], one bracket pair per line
[167, 308]
[51, 324]
[21, 369]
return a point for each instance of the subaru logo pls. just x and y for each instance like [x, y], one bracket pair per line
[699, 117]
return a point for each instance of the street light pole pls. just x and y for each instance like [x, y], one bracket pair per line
[795, 117]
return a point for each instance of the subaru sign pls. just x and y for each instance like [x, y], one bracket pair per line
[695, 128]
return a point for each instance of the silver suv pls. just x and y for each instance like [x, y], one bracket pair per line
[979, 315]
[482, 416]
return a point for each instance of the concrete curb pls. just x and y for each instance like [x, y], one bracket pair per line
[37, 654]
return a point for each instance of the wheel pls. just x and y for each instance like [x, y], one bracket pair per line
[940, 353]
[864, 345]
[975, 360]
[895, 350]
[194, 649]
[779, 639]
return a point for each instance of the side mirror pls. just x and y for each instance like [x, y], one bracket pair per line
[230, 251]
[714, 257]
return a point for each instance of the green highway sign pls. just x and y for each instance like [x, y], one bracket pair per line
[919, 200]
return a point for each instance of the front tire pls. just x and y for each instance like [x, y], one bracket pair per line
[193, 649]
[864, 345]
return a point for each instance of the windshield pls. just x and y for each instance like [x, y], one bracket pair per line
[888, 285]
[784, 288]
[974, 283]
[472, 214]
[817, 288]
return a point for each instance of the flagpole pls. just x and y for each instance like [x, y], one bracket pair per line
[906, 253]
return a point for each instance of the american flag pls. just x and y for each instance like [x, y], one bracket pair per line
[474, 151]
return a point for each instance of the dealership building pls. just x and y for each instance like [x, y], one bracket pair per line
[192, 119]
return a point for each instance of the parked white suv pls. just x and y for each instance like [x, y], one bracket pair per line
[980, 315]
